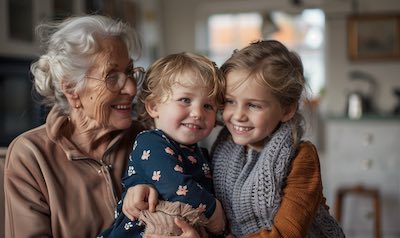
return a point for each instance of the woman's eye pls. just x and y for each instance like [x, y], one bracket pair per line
[130, 71]
[112, 78]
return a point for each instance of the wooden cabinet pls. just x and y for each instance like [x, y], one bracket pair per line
[364, 152]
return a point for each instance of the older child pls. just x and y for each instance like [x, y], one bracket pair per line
[179, 98]
[267, 178]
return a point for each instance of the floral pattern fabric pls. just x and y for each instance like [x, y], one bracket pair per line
[178, 172]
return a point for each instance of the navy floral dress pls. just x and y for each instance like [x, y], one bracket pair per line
[178, 172]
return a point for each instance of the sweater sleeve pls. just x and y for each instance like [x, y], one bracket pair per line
[302, 195]
[27, 213]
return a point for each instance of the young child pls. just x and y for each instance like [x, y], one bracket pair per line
[179, 99]
[267, 178]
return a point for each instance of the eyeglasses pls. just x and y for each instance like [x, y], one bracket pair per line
[115, 81]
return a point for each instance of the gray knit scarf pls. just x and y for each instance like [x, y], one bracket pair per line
[250, 184]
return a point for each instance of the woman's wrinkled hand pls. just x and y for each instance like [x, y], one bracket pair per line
[187, 231]
[138, 198]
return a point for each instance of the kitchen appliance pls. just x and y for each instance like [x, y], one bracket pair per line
[360, 102]
[355, 105]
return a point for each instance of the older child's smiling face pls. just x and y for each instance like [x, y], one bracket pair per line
[252, 112]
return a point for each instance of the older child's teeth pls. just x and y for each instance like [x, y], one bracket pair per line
[240, 128]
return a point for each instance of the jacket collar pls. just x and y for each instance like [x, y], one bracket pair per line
[58, 131]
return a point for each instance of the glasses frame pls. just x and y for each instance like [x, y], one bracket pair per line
[136, 73]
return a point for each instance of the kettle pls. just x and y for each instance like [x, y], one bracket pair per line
[354, 105]
[358, 102]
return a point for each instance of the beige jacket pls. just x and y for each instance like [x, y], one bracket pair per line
[53, 190]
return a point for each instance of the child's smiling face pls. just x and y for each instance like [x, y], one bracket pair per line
[252, 112]
[187, 115]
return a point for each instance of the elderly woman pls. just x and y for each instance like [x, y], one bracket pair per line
[62, 179]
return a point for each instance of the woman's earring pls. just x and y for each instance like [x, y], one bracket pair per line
[77, 106]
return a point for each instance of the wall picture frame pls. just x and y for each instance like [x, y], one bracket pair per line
[373, 37]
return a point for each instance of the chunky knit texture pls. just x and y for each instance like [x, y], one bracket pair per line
[250, 184]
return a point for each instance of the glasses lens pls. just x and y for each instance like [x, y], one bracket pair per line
[115, 81]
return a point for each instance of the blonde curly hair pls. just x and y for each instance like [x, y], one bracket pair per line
[163, 74]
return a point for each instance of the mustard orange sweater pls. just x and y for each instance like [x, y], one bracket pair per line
[301, 197]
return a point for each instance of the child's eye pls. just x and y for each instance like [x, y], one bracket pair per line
[184, 100]
[209, 107]
[254, 106]
[228, 101]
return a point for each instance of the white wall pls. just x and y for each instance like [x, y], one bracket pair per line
[180, 18]
[338, 66]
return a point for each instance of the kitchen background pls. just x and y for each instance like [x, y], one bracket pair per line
[351, 63]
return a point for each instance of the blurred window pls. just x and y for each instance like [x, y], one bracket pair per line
[303, 33]
[231, 31]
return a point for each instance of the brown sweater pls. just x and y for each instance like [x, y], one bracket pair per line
[302, 195]
[53, 190]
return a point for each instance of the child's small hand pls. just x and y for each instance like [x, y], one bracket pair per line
[138, 198]
[187, 231]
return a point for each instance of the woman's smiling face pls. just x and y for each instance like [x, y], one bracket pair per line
[110, 109]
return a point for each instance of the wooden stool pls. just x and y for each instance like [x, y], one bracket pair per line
[373, 193]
